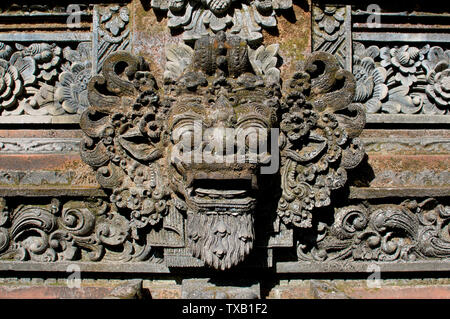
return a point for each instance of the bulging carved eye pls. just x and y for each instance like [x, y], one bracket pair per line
[253, 133]
[188, 135]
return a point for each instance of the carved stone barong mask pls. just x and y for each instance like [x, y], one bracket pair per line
[185, 163]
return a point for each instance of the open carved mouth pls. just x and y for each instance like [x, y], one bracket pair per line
[232, 192]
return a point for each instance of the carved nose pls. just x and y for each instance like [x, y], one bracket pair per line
[222, 110]
[219, 139]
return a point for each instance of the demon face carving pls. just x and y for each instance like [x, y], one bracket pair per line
[183, 164]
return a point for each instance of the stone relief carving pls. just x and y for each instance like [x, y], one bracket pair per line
[50, 78]
[330, 30]
[397, 79]
[405, 232]
[111, 24]
[38, 145]
[160, 207]
[407, 178]
[403, 79]
[220, 84]
[314, 121]
[19, 7]
[242, 18]
[437, 145]
[71, 89]
[44, 79]
[370, 78]
[63, 231]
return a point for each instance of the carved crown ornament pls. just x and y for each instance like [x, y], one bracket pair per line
[223, 151]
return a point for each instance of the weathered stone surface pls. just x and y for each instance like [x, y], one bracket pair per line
[409, 170]
[142, 143]
[361, 289]
[209, 289]
[129, 290]
[162, 217]
[11, 288]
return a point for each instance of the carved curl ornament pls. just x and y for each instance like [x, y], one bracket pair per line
[138, 137]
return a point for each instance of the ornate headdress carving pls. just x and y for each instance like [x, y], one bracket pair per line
[139, 136]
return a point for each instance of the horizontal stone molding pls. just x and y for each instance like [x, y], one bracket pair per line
[52, 191]
[40, 119]
[390, 192]
[280, 267]
[38, 145]
[428, 145]
[106, 267]
[361, 267]
[355, 192]
[400, 37]
[408, 118]
[46, 36]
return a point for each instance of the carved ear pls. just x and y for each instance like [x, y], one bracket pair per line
[138, 145]
[321, 126]
[124, 87]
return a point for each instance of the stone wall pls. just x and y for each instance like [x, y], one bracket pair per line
[61, 212]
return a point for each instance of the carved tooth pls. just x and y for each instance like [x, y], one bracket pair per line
[255, 182]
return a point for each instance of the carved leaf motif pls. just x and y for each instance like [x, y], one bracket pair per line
[5, 51]
[200, 18]
[11, 85]
[400, 101]
[179, 57]
[264, 61]
[26, 67]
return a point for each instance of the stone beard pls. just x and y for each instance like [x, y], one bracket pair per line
[223, 240]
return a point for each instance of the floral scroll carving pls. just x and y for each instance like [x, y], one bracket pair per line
[402, 79]
[244, 19]
[44, 79]
[320, 143]
[66, 231]
[410, 231]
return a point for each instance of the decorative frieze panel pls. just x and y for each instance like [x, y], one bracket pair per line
[67, 231]
[410, 231]
[245, 19]
[39, 145]
[402, 79]
[111, 31]
[157, 179]
[144, 146]
[44, 78]
[94, 231]
[331, 32]
[46, 74]
[29, 8]
[400, 59]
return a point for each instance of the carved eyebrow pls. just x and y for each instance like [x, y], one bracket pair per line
[254, 117]
[184, 117]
